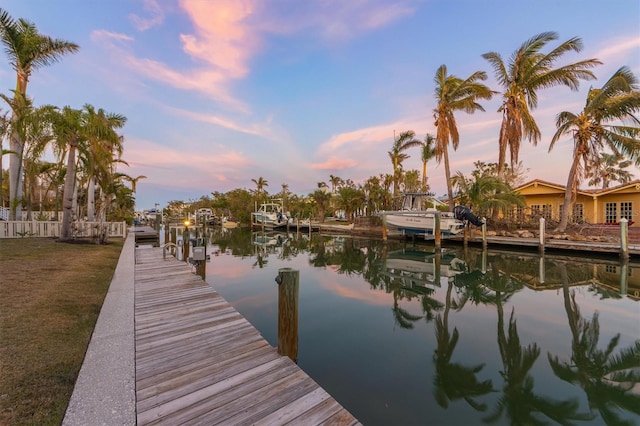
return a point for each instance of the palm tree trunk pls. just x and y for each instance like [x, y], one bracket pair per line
[447, 173]
[67, 194]
[424, 176]
[15, 177]
[91, 202]
[572, 183]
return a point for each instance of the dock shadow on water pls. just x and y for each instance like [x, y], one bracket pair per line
[401, 334]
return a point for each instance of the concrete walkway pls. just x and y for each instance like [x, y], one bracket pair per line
[104, 393]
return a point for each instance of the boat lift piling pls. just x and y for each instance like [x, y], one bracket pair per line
[436, 231]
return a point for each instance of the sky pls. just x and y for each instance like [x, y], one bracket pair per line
[220, 92]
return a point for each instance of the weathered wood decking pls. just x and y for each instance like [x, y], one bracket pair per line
[198, 361]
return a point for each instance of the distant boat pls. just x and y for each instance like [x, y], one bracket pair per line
[270, 215]
[226, 223]
[417, 216]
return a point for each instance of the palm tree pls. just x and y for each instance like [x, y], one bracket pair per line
[404, 141]
[321, 198]
[75, 128]
[427, 153]
[134, 181]
[486, 193]
[608, 168]
[261, 183]
[528, 71]
[336, 181]
[28, 50]
[454, 94]
[615, 102]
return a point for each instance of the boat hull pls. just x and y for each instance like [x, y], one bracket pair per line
[423, 223]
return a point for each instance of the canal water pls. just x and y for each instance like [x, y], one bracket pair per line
[401, 335]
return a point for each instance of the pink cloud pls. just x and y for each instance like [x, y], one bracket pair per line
[223, 38]
[334, 164]
[223, 122]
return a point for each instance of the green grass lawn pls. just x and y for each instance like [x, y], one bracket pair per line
[50, 296]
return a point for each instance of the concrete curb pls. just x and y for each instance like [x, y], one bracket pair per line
[104, 393]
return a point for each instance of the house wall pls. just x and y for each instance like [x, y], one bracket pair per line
[626, 201]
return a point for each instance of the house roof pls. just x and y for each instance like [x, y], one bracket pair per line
[592, 192]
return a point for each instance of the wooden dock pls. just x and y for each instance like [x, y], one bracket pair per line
[146, 235]
[198, 361]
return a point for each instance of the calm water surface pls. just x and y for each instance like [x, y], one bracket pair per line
[402, 336]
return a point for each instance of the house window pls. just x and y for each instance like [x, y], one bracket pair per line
[578, 213]
[626, 210]
[541, 210]
[518, 214]
[610, 212]
[610, 269]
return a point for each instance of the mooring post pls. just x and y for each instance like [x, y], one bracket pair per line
[288, 283]
[624, 238]
[436, 231]
[484, 234]
[624, 277]
[384, 227]
[185, 244]
[541, 270]
[437, 264]
[201, 265]
[542, 230]
[173, 239]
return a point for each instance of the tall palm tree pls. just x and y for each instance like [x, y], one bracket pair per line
[607, 168]
[528, 71]
[598, 126]
[427, 153]
[401, 143]
[454, 94]
[28, 50]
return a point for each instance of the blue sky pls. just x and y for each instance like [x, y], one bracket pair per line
[219, 92]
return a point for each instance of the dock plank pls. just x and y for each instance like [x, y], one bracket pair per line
[198, 361]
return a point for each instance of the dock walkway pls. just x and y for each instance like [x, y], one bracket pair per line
[197, 362]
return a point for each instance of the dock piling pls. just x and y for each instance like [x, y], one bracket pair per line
[542, 230]
[624, 238]
[288, 284]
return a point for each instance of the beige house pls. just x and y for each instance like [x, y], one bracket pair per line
[545, 199]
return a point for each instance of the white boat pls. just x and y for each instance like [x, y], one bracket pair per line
[417, 216]
[270, 215]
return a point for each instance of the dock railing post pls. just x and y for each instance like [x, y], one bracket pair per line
[288, 283]
[436, 231]
[624, 238]
[542, 237]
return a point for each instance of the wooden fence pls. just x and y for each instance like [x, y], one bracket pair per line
[35, 228]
